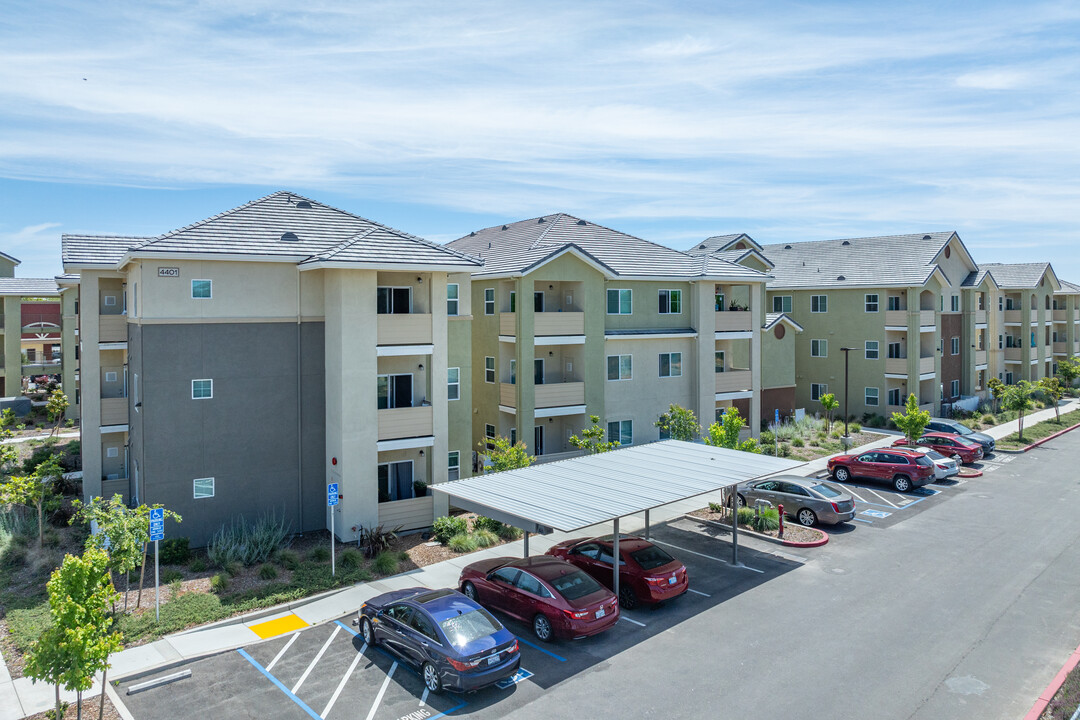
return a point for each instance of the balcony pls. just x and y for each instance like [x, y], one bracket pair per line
[980, 357]
[508, 395]
[408, 422]
[926, 317]
[926, 364]
[41, 366]
[733, 321]
[927, 407]
[734, 380]
[112, 328]
[558, 323]
[404, 329]
[508, 323]
[560, 394]
[115, 486]
[980, 317]
[114, 411]
[1061, 348]
[1034, 315]
[1061, 316]
[43, 324]
[1012, 354]
[896, 318]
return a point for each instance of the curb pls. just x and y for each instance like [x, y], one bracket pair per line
[1059, 433]
[766, 538]
[1048, 694]
[973, 474]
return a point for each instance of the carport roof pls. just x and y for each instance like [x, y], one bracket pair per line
[571, 494]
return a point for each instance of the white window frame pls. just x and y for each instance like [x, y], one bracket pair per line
[110, 301]
[202, 397]
[816, 350]
[954, 346]
[621, 424]
[455, 301]
[110, 376]
[875, 349]
[671, 364]
[134, 392]
[489, 301]
[674, 297]
[453, 465]
[455, 384]
[620, 291]
[721, 366]
[821, 302]
[209, 287]
[489, 369]
[817, 390]
[785, 303]
[867, 302]
[620, 378]
[196, 495]
[954, 304]
[890, 303]
[111, 452]
[954, 388]
[867, 397]
[899, 396]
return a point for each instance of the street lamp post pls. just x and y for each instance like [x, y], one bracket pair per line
[845, 350]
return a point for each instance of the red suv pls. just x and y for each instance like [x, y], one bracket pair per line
[647, 574]
[904, 469]
[949, 445]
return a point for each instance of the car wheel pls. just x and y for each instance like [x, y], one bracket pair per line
[431, 678]
[542, 628]
[806, 517]
[469, 590]
[841, 474]
[901, 483]
[367, 631]
[741, 500]
[627, 597]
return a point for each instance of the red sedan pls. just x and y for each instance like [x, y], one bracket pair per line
[553, 596]
[904, 469]
[949, 445]
[647, 574]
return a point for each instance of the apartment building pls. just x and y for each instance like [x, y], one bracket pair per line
[572, 319]
[237, 365]
[1065, 333]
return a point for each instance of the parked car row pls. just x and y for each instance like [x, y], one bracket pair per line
[455, 642]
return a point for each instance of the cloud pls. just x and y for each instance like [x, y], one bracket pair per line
[993, 79]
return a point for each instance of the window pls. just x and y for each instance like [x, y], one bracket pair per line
[489, 433]
[894, 351]
[956, 346]
[621, 431]
[395, 391]
[1001, 341]
[819, 303]
[721, 366]
[620, 367]
[453, 465]
[894, 396]
[201, 289]
[112, 452]
[1000, 303]
[452, 299]
[942, 298]
[489, 369]
[203, 488]
[513, 436]
[871, 350]
[110, 300]
[134, 391]
[619, 302]
[870, 302]
[202, 389]
[817, 390]
[819, 348]
[513, 301]
[954, 388]
[393, 301]
[538, 302]
[489, 301]
[134, 300]
[1008, 378]
[719, 302]
[781, 304]
[396, 481]
[513, 371]
[110, 377]
[670, 302]
[453, 383]
[955, 303]
[894, 302]
[671, 364]
[870, 396]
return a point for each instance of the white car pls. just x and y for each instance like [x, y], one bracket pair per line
[944, 467]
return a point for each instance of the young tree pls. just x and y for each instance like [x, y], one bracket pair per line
[141, 527]
[1069, 371]
[997, 389]
[829, 403]
[505, 456]
[912, 421]
[679, 424]
[33, 490]
[56, 406]
[79, 640]
[592, 438]
[1018, 397]
[725, 433]
[1054, 390]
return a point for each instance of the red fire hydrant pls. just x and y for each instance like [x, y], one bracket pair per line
[780, 510]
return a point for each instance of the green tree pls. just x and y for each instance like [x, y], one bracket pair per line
[1018, 397]
[592, 438]
[78, 642]
[997, 389]
[829, 403]
[505, 456]
[1053, 389]
[679, 424]
[8, 453]
[912, 421]
[725, 433]
[56, 406]
[1069, 371]
[33, 490]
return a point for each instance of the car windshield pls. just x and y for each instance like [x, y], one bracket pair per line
[826, 490]
[462, 629]
[934, 455]
[923, 460]
[574, 585]
[651, 557]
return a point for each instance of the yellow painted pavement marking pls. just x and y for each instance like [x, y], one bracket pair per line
[279, 626]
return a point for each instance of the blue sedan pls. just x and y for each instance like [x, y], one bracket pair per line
[454, 643]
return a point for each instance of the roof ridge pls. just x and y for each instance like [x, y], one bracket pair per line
[222, 214]
[346, 243]
[540, 238]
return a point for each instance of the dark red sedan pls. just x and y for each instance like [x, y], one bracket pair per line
[949, 445]
[647, 574]
[903, 469]
[553, 596]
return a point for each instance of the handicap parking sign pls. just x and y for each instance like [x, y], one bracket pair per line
[876, 513]
[157, 524]
[521, 674]
[332, 494]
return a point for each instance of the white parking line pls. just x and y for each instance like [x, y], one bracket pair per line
[423, 698]
[854, 494]
[710, 557]
[341, 685]
[282, 652]
[877, 496]
[623, 617]
[382, 691]
[698, 592]
[318, 657]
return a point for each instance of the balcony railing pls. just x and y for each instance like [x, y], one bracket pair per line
[404, 329]
[508, 323]
[896, 318]
[508, 395]
[896, 366]
[980, 357]
[1034, 315]
[1061, 347]
[926, 317]
[559, 394]
[733, 321]
[409, 422]
[926, 364]
[112, 328]
[558, 323]
[1061, 316]
[734, 380]
[1012, 316]
[1012, 354]
[980, 317]
[114, 411]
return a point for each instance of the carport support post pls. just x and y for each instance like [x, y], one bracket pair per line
[526, 544]
[646, 524]
[734, 526]
[615, 560]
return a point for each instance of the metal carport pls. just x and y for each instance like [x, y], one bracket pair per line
[572, 494]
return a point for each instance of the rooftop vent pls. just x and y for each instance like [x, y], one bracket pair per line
[582, 222]
[489, 246]
[304, 204]
[473, 234]
[846, 242]
[701, 246]
[504, 227]
[787, 247]
[541, 220]
[841, 277]
[289, 237]
[925, 237]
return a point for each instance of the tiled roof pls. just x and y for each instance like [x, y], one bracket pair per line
[717, 243]
[1068, 288]
[896, 260]
[28, 286]
[773, 318]
[517, 247]
[287, 225]
[1010, 276]
[96, 249]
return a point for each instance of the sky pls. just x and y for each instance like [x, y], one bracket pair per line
[671, 121]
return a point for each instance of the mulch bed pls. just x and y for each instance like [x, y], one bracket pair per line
[90, 711]
[793, 532]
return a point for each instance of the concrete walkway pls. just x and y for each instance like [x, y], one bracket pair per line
[28, 438]
[22, 697]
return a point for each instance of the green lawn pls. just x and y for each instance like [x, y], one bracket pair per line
[1046, 428]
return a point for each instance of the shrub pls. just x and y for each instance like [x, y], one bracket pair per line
[988, 419]
[798, 442]
[784, 450]
[447, 527]
[855, 428]
[288, 559]
[837, 434]
[50, 714]
[419, 488]
[350, 559]
[14, 557]
[767, 437]
[486, 523]
[319, 554]
[174, 551]
[485, 538]
[169, 575]
[462, 543]
[267, 572]
[189, 609]
[175, 588]
[197, 565]
[509, 532]
[234, 568]
[716, 507]
[375, 540]
[26, 625]
[219, 583]
[766, 521]
[745, 515]
[248, 543]
[386, 563]
[69, 423]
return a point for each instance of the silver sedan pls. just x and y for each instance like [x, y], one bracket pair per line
[807, 500]
[944, 467]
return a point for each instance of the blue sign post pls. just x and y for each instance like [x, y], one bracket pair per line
[157, 532]
[776, 426]
[332, 499]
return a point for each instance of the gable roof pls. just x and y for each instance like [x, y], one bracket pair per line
[738, 256]
[9, 258]
[28, 286]
[522, 246]
[1019, 276]
[1068, 288]
[719, 243]
[773, 318]
[96, 250]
